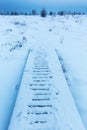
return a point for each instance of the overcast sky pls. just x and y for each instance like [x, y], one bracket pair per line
[27, 5]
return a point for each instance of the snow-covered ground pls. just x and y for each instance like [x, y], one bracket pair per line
[68, 35]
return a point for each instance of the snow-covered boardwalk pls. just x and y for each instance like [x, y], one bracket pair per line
[44, 101]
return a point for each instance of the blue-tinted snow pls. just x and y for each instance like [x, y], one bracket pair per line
[68, 35]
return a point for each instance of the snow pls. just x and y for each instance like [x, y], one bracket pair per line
[9, 82]
[73, 51]
[12, 64]
[66, 34]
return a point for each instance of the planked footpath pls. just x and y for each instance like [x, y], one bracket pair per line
[44, 101]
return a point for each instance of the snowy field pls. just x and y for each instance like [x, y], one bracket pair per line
[66, 34]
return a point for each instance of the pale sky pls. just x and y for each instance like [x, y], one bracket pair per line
[26, 5]
[57, 1]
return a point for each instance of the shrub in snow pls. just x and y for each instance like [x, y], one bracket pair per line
[51, 13]
[9, 30]
[14, 13]
[20, 23]
[61, 13]
[26, 13]
[24, 39]
[34, 12]
[50, 30]
[43, 13]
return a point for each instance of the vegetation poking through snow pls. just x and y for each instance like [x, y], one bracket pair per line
[19, 44]
[35, 12]
[19, 23]
[43, 13]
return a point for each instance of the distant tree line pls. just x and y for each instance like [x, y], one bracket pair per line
[43, 13]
